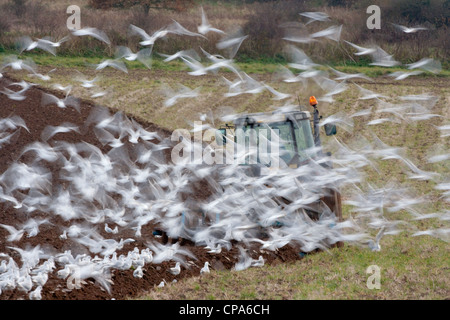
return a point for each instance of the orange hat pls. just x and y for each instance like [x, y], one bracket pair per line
[312, 101]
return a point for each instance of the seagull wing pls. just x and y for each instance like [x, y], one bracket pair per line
[23, 43]
[48, 98]
[122, 52]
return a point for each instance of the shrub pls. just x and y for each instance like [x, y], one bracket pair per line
[178, 5]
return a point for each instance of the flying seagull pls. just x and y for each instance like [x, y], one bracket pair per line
[407, 29]
[315, 16]
[206, 27]
[93, 32]
[361, 50]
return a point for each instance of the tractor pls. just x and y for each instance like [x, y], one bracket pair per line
[299, 143]
[298, 134]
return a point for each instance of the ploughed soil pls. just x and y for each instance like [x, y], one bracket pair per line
[125, 285]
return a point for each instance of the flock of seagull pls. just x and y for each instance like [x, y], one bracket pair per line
[109, 194]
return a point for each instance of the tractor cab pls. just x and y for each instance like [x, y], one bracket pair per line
[288, 138]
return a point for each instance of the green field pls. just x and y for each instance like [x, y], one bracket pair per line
[411, 267]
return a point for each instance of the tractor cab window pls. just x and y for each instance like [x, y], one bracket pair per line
[286, 140]
[294, 138]
[304, 138]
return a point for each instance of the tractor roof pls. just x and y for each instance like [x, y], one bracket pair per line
[269, 117]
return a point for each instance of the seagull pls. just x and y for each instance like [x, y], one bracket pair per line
[315, 16]
[17, 205]
[24, 282]
[300, 59]
[147, 255]
[110, 230]
[169, 252]
[222, 63]
[161, 284]
[14, 234]
[99, 94]
[26, 44]
[363, 112]
[330, 86]
[138, 272]
[85, 83]
[12, 122]
[408, 29]
[176, 270]
[340, 119]
[399, 75]
[375, 245]
[441, 233]
[148, 40]
[107, 138]
[14, 95]
[93, 32]
[233, 86]
[197, 68]
[205, 268]
[333, 33]
[419, 97]
[48, 98]
[18, 64]
[427, 64]
[206, 27]
[43, 77]
[258, 263]
[439, 158]
[190, 54]
[288, 76]
[50, 131]
[143, 56]
[277, 241]
[32, 226]
[247, 85]
[23, 84]
[277, 95]
[361, 50]
[297, 34]
[345, 76]
[45, 267]
[116, 64]
[48, 41]
[215, 250]
[184, 92]
[244, 262]
[42, 150]
[251, 85]
[232, 43]
[30, 256]
[419, 174]
[36, 293]
[382, 58]
[177, 28]
[445, 129]
[368, 94]
[40, 278]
